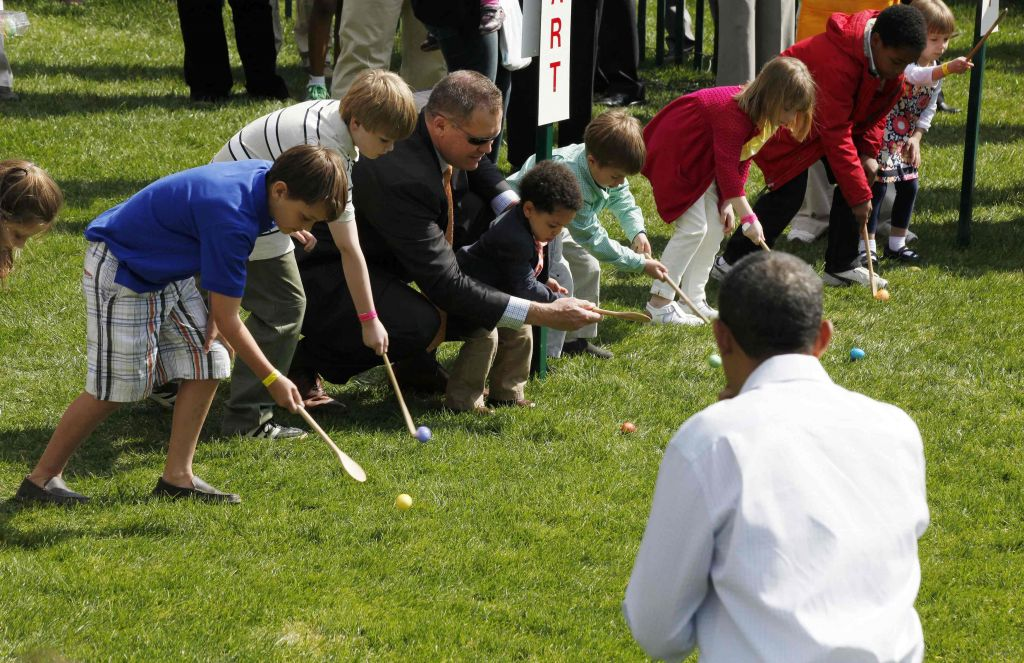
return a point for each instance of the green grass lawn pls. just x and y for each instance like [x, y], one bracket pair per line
[525, 525]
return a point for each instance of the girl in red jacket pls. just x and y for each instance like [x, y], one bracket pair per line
[698, 156]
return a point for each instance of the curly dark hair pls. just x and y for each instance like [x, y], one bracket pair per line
[549, 186]
[902, 26]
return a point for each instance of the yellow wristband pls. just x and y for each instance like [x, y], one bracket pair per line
[270, 379]
[945, 69]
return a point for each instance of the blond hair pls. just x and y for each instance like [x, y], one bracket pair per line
[382, 102]
[616, 138]
[28, 196]
[937, 16]
[784, 84]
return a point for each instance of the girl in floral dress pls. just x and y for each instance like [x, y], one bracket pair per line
[900, 154]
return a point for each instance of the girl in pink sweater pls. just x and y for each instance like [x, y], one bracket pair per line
[698, 157]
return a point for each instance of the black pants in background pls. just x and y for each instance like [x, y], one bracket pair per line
[207, 68]
[618, 51]
[522, 110]
[775, 209]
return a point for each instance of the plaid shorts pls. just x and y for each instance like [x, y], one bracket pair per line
[136, 340]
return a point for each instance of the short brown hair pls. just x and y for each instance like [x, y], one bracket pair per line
[937, 16]
[616, 138]
[314, 175]
[28, 196]
[460, 93]
[382, 102]
[784, 84]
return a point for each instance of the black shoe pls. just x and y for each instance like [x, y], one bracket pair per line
[583, 346]
[165, 395]
[616, 99]
[54, 492]
[904, 254]
[200, 490]
[862, 258]
[946, 108]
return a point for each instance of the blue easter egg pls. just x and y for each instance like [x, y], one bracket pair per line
[423, 434]
[856, 353]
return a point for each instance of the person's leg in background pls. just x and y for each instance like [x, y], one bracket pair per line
[276, 302]
[586, 24]
[521, 122]
[735, 57]
[254, 36]
[811, 220]
[902, 211]
[275, 9]
[421, 70]
[618, 56]
[207, 68]
[774, 30]
[320, 19]
[6, 76]
[303, 8]
[367, 34]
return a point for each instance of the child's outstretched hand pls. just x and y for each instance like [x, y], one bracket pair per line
[305, 238]
[641, 244]
[375, 336]
[556, 287]
[959, 65]
[286, 394]
[655, 269]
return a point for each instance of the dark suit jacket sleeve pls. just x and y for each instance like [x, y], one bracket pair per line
[405, 214]
[518, 273]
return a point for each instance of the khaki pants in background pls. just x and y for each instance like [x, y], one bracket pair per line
[752, 32]
[276, 303]
[367, 34]
[500, 357]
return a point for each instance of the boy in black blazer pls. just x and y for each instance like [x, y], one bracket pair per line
[510, 257]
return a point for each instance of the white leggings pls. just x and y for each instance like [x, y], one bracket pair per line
[691, 250]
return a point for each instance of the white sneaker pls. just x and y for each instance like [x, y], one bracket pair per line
[855, 276]
[672, 314]
[720, 268]
[705, 309]
[805, 229]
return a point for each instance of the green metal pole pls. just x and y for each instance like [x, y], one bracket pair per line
[539, 365]
[963, 232]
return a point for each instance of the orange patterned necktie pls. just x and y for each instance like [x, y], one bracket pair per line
[449, 232]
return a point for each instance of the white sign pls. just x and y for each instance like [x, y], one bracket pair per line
[989, 13]
[553, 93]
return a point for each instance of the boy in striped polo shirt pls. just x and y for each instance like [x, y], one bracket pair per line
[147, 322]
[377, 110]
[613, 147]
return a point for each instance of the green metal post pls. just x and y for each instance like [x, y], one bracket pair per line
[539, 365]
[963, 232]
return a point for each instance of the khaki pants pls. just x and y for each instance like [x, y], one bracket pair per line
[498, 356]
[367, 34]
[276, 303]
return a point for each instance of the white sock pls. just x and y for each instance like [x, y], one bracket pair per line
[860, 246]
[897, 243]
[317, 80]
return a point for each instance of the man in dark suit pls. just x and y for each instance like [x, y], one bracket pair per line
[402, 215]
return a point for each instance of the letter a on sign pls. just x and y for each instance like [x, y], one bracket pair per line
[553, 94]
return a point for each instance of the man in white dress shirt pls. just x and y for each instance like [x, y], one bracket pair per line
[786, 517]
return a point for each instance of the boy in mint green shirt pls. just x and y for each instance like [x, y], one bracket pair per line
[613, 148]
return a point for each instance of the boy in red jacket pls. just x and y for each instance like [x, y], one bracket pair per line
[858, 65]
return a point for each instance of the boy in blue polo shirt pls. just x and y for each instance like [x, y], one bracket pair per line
[147, 322]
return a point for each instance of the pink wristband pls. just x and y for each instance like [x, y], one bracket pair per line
[750, 218]
[366, 317]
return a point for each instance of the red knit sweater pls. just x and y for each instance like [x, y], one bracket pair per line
[849, 114]
[692, 142]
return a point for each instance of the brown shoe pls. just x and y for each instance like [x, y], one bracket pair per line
[311, 387]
